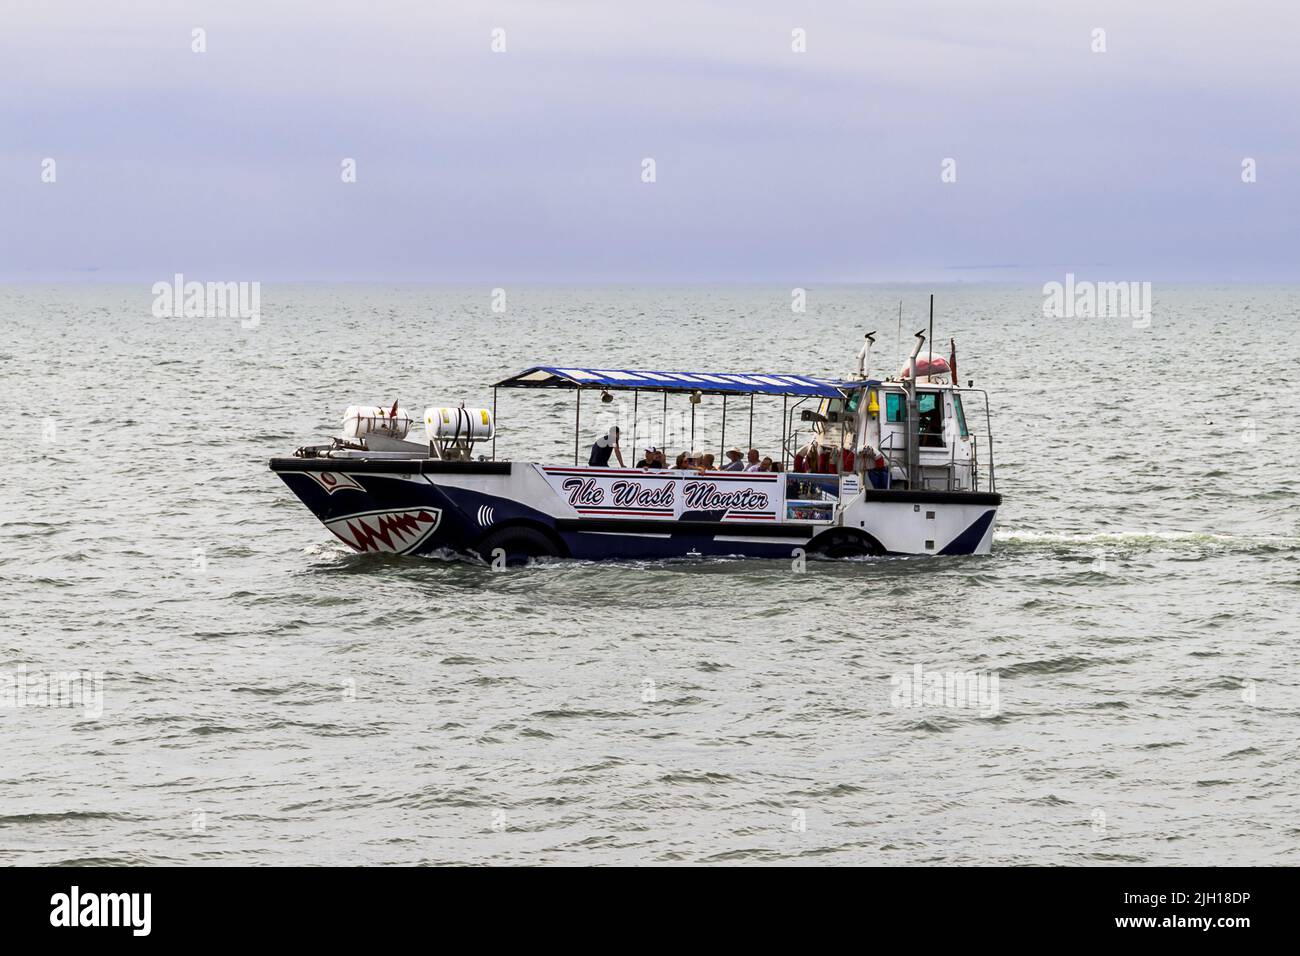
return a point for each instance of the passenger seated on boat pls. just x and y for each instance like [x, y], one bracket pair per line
[805, 459]
[766, 465]
[689, 461]
[602, 447]
[753, 460]
[707, 462]
[654, 458]
[735, 460]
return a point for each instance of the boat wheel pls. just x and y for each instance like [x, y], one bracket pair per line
[519, 543]
[844, 544]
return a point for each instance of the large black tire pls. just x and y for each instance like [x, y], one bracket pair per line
[845, 543]
[519, 542]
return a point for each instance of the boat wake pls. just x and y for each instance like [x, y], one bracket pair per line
[1148, 540]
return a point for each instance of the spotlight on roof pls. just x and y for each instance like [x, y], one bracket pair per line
[606, 397]
[695, 397]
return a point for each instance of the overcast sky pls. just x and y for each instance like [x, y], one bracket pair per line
[771, 165]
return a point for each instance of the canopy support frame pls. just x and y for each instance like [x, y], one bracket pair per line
[751, 424]
[635, 396]
[722, 447]
[577, 419]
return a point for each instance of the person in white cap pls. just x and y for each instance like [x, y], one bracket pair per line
[654, 458]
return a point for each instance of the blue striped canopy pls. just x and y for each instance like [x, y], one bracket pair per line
[711, 383]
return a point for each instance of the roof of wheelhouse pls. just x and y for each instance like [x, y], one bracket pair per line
[708, 383]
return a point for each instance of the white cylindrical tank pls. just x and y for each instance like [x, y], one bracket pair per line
[360, 420]
[458, 424]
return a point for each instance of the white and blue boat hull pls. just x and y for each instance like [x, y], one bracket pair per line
[518, 510]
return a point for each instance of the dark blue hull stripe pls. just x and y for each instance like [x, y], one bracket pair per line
[969, 540]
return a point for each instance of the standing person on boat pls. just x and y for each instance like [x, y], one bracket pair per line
[735, 460]
[602, 447]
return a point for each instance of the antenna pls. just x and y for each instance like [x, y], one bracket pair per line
[898, 345]
[931, 358]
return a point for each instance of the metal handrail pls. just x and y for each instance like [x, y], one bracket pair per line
[988, 430]
[888, 452]
[789, 437]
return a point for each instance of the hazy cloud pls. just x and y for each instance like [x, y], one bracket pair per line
[770, 164]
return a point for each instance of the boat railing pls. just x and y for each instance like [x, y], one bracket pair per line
[988, 431]
[897, 457]
[953, 470]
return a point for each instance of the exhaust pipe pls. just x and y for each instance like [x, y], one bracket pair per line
[864, 354]
[913, 416]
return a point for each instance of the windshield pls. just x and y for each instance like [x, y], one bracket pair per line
[960, 415]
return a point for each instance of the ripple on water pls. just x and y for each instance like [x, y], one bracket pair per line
[322, 706]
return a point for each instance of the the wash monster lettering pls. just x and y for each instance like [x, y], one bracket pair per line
[705, 496]
[583, 491]
[631, 494]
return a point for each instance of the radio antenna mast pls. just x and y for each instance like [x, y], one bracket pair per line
[898, 346]
[931, 359]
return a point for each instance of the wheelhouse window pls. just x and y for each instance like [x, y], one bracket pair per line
[929, 412]
[835, 411]
[960, 415]
[894, 407]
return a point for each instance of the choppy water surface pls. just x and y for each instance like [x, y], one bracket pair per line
[271, 698]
